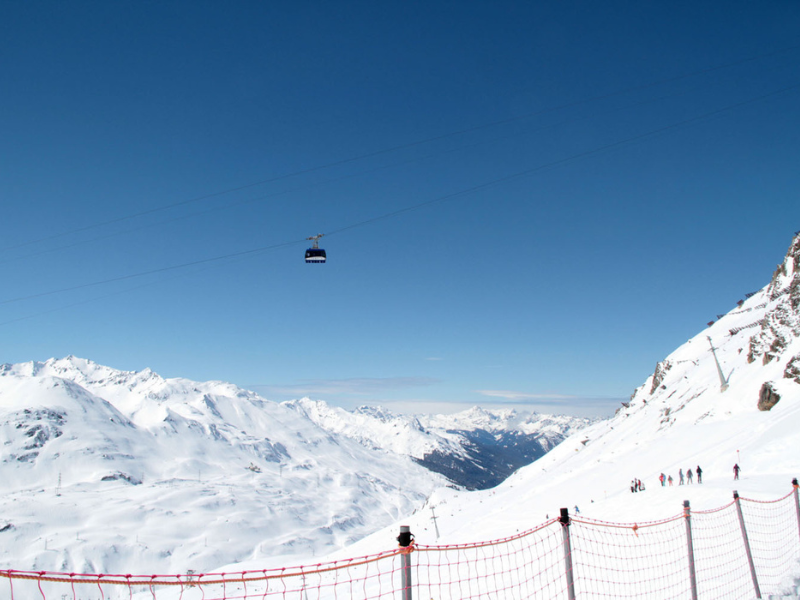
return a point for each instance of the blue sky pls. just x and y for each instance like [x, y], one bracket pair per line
[524, 203]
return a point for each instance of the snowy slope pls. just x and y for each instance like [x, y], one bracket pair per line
[678, 419]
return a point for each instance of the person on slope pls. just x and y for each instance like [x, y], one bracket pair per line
[670, 480]
[689, 475]
[736, 471]
[699, 474]
[680, 475]
[662, 479]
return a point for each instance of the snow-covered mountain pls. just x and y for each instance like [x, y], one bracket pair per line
[476, 449]
[108, 470]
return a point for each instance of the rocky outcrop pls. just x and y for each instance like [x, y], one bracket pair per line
[768, 397]
[783, 320]
[792, 370]
[660, 373]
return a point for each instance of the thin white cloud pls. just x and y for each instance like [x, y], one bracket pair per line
[357, 385]
[518, 396]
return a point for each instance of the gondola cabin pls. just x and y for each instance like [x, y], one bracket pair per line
[315, 255]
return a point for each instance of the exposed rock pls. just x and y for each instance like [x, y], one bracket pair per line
[784, 280]
[792, 370]
[118, 476]
[661, 372]
[768, 397]
[784, 318]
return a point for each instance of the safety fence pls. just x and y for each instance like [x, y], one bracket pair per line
[745, 549]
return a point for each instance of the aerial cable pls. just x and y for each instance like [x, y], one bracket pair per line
[154, 271]
[337, 179]
[395, 213]
[565, 160]
[329, 181]
[405, 146]
[88, 301]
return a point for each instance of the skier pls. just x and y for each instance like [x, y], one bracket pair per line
[689, 476]
[699, 474]
[680, 475]
[670, 480]
[736, 471]
[662, 479]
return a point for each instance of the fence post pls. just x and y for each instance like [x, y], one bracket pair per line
[565, 523]
[687, 516]
[405, 539]
[796, 503]
[746, 544]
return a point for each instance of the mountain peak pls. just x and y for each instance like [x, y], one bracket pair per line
[780, 325]
[786, 279]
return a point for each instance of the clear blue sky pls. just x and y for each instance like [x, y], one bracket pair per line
[588, 184]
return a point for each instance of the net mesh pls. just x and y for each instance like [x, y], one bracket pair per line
[590, 558]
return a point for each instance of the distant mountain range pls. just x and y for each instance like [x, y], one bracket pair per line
[475, 449]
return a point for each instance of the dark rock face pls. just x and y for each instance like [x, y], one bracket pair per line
[661, 371]
[792, 370]
[118, 476]
[767, 397]
[489, 458]
[783, 321]
[36, 429]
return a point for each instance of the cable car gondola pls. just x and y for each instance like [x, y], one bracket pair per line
[315, 254]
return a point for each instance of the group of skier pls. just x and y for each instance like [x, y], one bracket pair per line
[688, 477]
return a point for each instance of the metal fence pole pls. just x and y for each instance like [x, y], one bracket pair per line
[405, 539]
[687, 516]
[746, 544]
[796, 503]
[565, 523]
